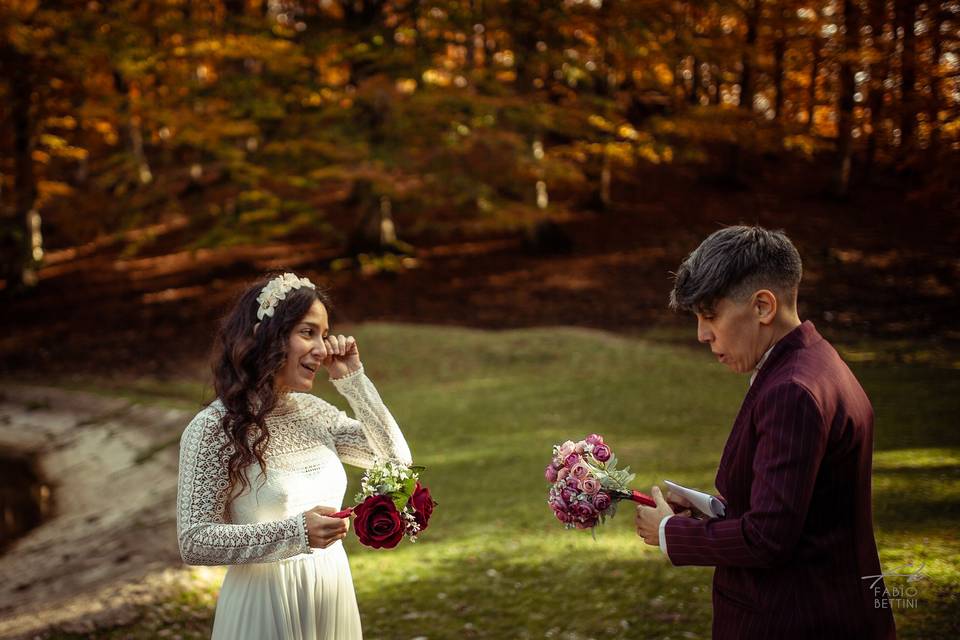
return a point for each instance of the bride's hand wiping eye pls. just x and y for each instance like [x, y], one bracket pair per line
[342, 355]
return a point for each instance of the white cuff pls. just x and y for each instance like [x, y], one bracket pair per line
[663, 537]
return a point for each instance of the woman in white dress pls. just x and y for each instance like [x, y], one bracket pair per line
[261, 468]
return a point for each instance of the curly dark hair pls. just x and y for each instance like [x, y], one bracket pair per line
[246, 360]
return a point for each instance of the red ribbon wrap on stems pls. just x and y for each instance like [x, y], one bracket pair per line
[635, 496]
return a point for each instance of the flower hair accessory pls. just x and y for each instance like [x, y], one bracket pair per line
[276, 290]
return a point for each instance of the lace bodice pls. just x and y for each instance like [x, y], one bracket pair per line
[309, 440]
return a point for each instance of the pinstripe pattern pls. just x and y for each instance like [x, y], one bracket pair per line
[798, 532]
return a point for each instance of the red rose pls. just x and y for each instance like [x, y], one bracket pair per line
[378, 523]
[422, 505]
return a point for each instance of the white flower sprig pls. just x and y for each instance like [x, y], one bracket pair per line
[276, 290]
[389, 477]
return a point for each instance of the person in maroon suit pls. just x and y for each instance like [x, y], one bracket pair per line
[796, 539]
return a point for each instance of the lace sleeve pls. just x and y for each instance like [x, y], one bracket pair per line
[206, 538]
[374, 433]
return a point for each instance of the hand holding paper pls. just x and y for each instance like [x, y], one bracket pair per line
[708, 505]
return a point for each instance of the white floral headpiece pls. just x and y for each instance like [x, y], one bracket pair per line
[276, 290]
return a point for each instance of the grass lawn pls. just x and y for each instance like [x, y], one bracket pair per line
[481, 411]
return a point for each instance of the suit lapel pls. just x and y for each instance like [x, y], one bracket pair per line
[796, 339]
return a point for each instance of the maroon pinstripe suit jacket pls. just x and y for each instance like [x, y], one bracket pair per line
[797, 537]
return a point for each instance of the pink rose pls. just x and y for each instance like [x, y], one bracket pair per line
[601, 452]
[566, 449]
[601, 501]
[590, 486]
[571, 460]
[580, 471]
[563, 473]
[594, 439]
[550, 473]
[580, 447]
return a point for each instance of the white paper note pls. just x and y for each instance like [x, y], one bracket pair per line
[704, 502]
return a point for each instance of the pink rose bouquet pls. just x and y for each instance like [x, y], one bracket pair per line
[585, 484]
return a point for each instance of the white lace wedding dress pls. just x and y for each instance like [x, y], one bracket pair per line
[277, 587]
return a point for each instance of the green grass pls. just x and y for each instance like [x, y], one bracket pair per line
[481, 411]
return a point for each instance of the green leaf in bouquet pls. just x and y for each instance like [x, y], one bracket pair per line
[400, 500]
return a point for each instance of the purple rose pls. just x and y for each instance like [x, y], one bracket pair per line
[601, 501]
[583, 510]
[588, 523]
[594, 439]
[550, 473]
[571, 460]
[562, 516]
[590, 486]
[601, 452]
[573, 483]
[568, 495]
[580, 471]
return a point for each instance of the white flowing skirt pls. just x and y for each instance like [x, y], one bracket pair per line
[306, 597]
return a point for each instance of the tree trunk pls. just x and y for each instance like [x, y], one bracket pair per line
[879, 71]
[746, 61]
[851, 45]
[933, 107]
[716, 87]
[779, 52]
[906, 19]
[21, 236]
[694, 96]
[816, 53]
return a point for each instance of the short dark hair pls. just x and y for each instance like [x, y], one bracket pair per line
[734, 262]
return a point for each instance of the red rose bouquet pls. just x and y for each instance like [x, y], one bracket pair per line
[392, 504]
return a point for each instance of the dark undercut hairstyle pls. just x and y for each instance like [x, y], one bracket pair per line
[734, 263]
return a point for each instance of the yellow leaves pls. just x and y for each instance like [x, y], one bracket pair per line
[49, 190]
[334, 75]
[649, 154]
[438, 77]
[406, 86]
[628, 132]
[805, 144]
[600, 122]
[67, 122]
[663, 74]
[51, 141]
[52, 188]
[106, 129]
[54, 146]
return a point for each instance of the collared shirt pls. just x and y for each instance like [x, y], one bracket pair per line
[753, 376]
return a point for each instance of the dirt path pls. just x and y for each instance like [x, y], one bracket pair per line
[111, 545]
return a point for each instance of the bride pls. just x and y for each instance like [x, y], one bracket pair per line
[261, 467]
